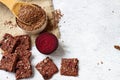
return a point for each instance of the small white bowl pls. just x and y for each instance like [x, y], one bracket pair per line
[35, 27]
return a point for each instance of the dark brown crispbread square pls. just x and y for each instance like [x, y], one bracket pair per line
[47, 68]
[8, 43]
[23, 69]
[24, 41]
[22, 53]
[8, 62]
[69, 67]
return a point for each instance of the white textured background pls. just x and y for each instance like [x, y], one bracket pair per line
[89, 29]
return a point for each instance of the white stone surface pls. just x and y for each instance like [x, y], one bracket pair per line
[89, 29]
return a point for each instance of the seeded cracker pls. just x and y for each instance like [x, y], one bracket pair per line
[8, 62]
[8, 43]
[69, 67]
[23, 69]
[47, 68]
[24, 41]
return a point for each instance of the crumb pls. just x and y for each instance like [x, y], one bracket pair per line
[7, 22]
[62, 41]
[112, 11]
[13, 25]
[57, 16]
[98, 63]
[64, 22]
[109, 69]
[101, 62]
[10, 24]
[117, 47]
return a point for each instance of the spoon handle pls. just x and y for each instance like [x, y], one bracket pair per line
[8, 3]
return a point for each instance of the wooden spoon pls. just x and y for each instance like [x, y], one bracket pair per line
[15, 6]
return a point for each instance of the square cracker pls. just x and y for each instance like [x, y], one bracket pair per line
[24, 41]
[69, 67]
[8, 62]
[23, 69]
[47, 68]
[8, 43]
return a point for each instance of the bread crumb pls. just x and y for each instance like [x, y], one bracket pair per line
[109, 69]
[7, 22]
[112, 11]
[101, 62]
[7, 77]
[117, 47]
[10, 24]
[98, 63]
[57, 16]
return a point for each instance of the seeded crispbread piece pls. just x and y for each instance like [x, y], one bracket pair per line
[23, 53]
[24, 41]
[8, 62]
[47, 68]
[8, 43]
[69, 67]
[23, 69]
